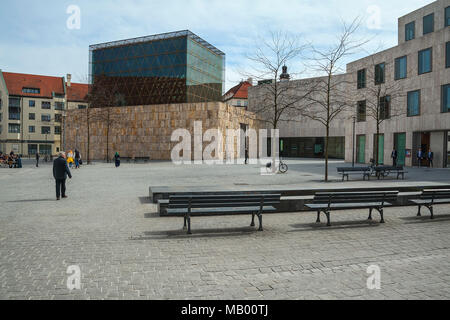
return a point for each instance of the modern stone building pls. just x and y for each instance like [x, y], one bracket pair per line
[145, 131]
[415, 75]
[406, 89]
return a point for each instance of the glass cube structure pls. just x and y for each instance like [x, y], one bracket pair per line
[177, 67]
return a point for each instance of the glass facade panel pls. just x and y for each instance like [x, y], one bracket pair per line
[446, 98]
[401, 65]
[379, 73]
[425, 64]
[361, 111]
[172, 68]
[413, 108]
[410, 31]
[312, 147]
[447, 16]
[428, 23]
[447, 55]
[362, 79]
[361, 149]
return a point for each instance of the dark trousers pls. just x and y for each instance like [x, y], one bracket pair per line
[60, 188]
[37, 163]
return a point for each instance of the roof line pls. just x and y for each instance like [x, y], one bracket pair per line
[161, 36]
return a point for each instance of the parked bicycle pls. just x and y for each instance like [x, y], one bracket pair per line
[282, 166]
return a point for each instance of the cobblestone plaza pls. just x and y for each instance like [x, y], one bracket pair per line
[124, 250]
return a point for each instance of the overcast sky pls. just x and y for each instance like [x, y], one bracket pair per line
[35, 37]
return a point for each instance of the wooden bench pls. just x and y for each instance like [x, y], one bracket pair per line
[327, 201]
[346, 171]
[254, 204]
[430, 197]
[384, 171]
[143, 159]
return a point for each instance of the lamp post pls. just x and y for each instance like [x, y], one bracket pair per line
[353, 144]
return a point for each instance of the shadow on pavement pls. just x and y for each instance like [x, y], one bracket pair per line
[196, 233]
[322, 226]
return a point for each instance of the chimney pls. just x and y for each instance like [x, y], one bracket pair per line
[69, 79]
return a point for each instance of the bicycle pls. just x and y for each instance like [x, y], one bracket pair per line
[282, 167]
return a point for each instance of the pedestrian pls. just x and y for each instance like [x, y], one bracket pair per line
[37, 159]
[419, 157]
[430, 158]
[19, 161]
[117, 159]
[70, 158]
[60, 173]
[246, 155]
[77, 159]
[394, 157]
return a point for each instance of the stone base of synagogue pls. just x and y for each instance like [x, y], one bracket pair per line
[145, 131]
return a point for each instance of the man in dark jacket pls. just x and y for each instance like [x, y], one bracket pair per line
[37, 159]
[430, 157]
[60, 173]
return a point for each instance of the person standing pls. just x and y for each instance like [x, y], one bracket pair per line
[77, 159]
[117, 159]
[246, 155]
[60, 173]
[394, 157]
[430, 157]
[37, 159]
[419, 157]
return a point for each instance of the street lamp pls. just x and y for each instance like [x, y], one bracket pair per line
[353, 144]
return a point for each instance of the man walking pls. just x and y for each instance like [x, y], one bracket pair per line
[60, 173]
[430, 157]
[419, 157]
[37, 159]
[394, 157]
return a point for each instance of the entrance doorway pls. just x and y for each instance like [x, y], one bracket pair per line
[400, 146]
[425, 145]
[361, 149]
[380, 146]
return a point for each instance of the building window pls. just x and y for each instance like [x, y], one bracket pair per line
[46, 118]
[14, 102]
[447, 16]
[446, 98]
[81, 106]
[58, 130]
[13, 128]
[46, 105]
[379, 73]
[413, 103]
[45, 130]
[59, 105]
[401, 68]
[31, 90]
[410, 31]
[31, 116]
[361, 111]
[13, 114]
[447, 55]
[31, 129]
[32, 148]
[425, 64]
[1, 102]
[361, 79]
[385, 107]
[428, 24]
[31, 103]
[58, 117]
[239, 103]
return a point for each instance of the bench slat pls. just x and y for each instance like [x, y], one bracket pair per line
[221, 210]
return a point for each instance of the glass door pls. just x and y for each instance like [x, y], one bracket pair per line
[400, 146]
[361, 149]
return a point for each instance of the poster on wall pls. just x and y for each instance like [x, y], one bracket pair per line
[408, 153]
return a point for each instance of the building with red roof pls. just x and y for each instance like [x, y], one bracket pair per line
[238, 95]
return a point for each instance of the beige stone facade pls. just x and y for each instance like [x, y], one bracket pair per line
[145, 131]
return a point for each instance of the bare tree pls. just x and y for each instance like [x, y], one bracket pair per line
[277, 99]
[103, 96]
[382, 97]
[331, 97]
